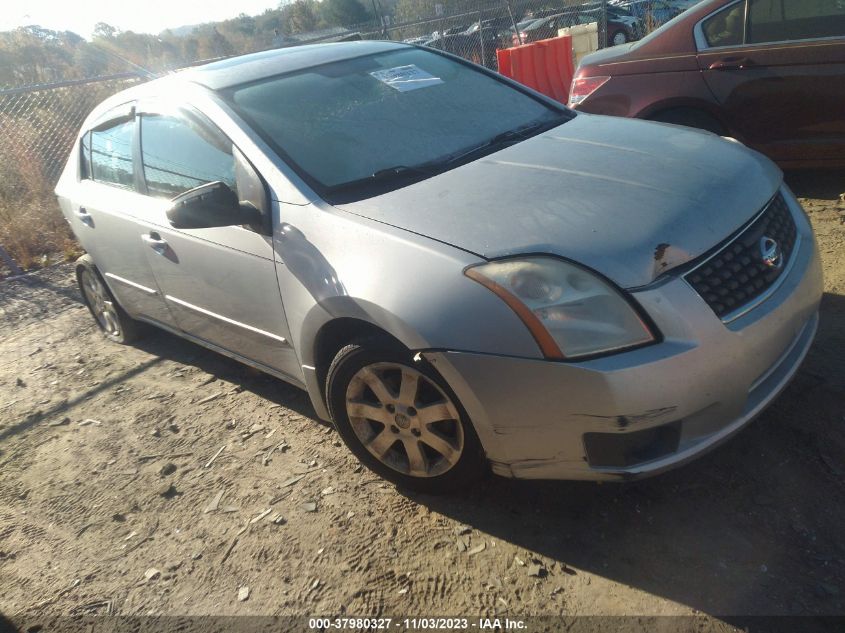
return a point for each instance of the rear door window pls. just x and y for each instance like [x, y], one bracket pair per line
[786, 20]
[85, 157]
[725, 28]
[111, 154]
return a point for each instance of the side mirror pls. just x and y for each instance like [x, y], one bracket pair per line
[210, 205]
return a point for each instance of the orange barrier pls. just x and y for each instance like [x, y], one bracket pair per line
[546, 66]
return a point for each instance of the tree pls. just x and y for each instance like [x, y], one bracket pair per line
[415, 10]
[190, 50]
[90, 61]
[101, 29]
[220, 45]
[212, 43]
[343, 12]
[244, 24]
[301, 16]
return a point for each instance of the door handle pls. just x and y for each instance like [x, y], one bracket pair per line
[154, 241]
[732, 63]
[84, 216]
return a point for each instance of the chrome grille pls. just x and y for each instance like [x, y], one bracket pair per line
[739, 273]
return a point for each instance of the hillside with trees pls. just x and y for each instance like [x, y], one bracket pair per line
[35, 55]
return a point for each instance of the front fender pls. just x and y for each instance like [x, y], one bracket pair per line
[332, 264]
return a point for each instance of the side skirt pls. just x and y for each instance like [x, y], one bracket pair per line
[225, 352]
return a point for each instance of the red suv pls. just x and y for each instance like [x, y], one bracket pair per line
[770, 73]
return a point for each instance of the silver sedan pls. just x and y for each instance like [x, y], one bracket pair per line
[461, 273]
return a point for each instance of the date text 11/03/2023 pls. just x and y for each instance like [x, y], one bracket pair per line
[417, 624]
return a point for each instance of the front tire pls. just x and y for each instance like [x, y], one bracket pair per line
[401, 420]
[112, 320]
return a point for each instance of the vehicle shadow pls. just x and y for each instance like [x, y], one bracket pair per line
[174, 348]
[57, 409]
[6, 625]
[753, 528]
[817, 183]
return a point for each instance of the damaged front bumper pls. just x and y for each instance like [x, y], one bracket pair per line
[642, 412]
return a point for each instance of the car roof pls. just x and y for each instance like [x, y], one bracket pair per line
[550, 18]
[247, 68]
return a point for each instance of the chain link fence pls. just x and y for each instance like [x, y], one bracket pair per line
[476, 34]
[38, 123]
[37, 128]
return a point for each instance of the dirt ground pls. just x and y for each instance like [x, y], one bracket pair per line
[163, 478]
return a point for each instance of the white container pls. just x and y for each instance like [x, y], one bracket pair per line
[585, 39]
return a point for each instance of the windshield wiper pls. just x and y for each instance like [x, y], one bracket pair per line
[508, 136]
[413, 173]
[398, 171]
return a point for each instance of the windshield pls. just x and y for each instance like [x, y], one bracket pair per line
[351, 120]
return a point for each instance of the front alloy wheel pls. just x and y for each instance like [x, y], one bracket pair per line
[400, 419]
[404, 420]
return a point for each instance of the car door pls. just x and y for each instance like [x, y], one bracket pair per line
[777, 67]
[220, 283]
[106, 210]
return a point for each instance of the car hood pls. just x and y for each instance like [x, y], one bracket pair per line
[629, 199]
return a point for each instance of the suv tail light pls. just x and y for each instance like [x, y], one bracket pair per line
[583, 87]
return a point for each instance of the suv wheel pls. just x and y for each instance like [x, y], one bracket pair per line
[401, 419]
[112, 320]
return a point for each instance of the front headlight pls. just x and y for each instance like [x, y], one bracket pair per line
[570, 311]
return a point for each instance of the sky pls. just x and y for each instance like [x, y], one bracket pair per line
[148, 16]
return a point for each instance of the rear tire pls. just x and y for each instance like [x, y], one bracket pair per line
[112, 320]
[690, 117]
[401, 419]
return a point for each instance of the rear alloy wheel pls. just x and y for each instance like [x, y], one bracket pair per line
[401, 421]
[114, 323]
